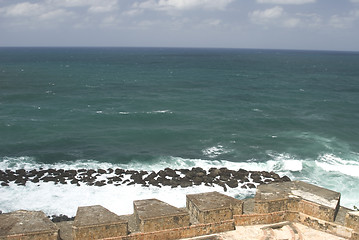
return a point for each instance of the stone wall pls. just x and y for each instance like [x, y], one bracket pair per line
[209, 213]
[183, 232]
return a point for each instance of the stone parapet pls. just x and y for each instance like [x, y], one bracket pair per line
[276, 205]
[96, 222]
[182, 232]
[27, 225]
[213, 207]
[154, 215]
[297, 196]
[206, 213]
[256, 218]
[323, 225]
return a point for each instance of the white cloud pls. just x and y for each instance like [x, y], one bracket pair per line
[310, 20]
[263, 16]
[291, 22]
[23, 9]
[133, 12]
[57, 14]
[93, 6]
[295, 2]
[344, 22]
[212, 22]
[168, 5]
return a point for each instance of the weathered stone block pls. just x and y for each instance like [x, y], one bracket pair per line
[277, 205]
[27, 225]
[352, 220]
[320, 211]
[96, 222]
[155, 215]
[297, 196]
[255, 219]
[213, 207]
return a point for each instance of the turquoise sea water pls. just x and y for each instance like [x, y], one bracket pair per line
[293, 112]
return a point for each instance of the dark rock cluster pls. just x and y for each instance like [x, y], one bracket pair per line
[168, 177]
[61, 218]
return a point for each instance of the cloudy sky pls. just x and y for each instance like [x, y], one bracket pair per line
[279, 24]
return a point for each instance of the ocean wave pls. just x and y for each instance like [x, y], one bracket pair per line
[327, 170]
[215, 151]
[333, 163]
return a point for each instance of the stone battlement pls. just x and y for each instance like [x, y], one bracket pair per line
[281, 205]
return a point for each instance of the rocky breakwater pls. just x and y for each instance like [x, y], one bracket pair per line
[223, 177]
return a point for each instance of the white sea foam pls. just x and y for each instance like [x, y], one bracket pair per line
[160, 111]
[65, 198]
[332, 163]
[215, 151]
[285, 162]
[327, 170]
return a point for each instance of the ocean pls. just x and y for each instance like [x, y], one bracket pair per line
[292, 112]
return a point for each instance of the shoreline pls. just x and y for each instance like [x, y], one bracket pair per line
[223, 178]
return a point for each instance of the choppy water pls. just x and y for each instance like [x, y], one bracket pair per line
[293, 112]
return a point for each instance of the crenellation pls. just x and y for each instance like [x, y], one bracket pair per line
[277, 205]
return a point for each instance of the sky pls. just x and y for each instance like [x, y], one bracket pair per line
[263, 24]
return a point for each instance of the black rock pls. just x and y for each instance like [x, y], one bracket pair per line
[119, 171]
[185, 184]
[90, 172]
[197, 180]
[199, 170]
[21, 172]
[74, 181]
[101, 171]
[61, 218]
[224, 177]
[190, 174]
[285, 179]
[184, 171]
[232, 183]
[152, 175]
[100, 183]
[222, 184]
[115, 179]
[35, 180]
[170, 172]
[137, 178]
[256, 176]
[4, 184]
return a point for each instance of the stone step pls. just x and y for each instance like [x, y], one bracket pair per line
[155, 215]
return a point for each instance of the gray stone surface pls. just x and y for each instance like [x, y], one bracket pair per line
[213, 207]
[300, 190]
[95, 215]
[154, 208]
[155, 215]
[214, 200]
[96, 222]
[27, 223]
